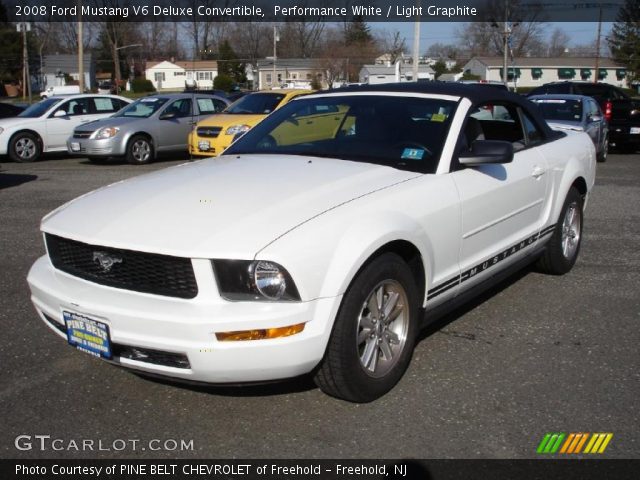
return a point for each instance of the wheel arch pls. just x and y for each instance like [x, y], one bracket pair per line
[142, 133]
[30, 131]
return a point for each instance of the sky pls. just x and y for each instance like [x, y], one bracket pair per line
[444, 32]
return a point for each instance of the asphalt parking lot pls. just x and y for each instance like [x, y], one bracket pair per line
[537, 354]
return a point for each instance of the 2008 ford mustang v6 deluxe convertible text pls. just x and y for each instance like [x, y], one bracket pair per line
[320, 241]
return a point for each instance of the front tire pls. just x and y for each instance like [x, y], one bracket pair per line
[24, 148]
[374, 333]
[562, 250]
[139, 150]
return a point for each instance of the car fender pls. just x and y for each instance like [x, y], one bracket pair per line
[573, 161]
[341, 247]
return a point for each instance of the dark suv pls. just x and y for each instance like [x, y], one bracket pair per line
[621, 111]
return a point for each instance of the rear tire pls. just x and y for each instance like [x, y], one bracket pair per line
[562, 250]
[602, 155]
[24, 147]
[374, 333]
[140, 150]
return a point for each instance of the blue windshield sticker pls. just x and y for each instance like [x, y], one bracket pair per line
[412, 154]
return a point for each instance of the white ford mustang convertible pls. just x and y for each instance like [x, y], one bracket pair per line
[320, 242]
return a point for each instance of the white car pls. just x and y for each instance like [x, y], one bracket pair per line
[46, 125]
[320, 242]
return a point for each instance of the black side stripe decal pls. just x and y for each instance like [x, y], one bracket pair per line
[481, 267]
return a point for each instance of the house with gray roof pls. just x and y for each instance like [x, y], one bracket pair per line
[535, 71]
[290, 73]
[400, 72]
[55, 67]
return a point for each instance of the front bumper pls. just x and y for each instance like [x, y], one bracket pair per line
[108, 147]
[216, 145]
[188, 327]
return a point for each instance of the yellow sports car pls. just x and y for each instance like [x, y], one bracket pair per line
[214, 134]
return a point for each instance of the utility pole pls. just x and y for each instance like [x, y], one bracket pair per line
[80, 51]
[505, 44]
[596, 76]
[275, 41]
[416, 43]
[26, 76]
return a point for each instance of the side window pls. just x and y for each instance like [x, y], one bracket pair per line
[534, 135]
[75, 107]
[181, 107]
[105, 105]
[209, 106]
[495, 122]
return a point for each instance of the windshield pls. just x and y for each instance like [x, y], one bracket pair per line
[401, 132]
[40, 108]
[257, 103]
[560, 109]
[143, 108]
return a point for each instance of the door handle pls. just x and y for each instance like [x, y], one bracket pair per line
[538, 172]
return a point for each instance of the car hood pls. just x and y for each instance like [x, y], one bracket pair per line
[107, 122]
[228, 207]
[229, 119]
[565, 125]
[16, 122]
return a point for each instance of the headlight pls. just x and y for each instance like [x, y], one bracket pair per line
[236, 129]
[106, 132]
[254, 280]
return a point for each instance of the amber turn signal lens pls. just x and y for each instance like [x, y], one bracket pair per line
[261, 334]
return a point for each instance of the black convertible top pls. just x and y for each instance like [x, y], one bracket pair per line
[476, 93]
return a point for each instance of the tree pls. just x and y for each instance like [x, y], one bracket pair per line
[624, 40]
[487, 38]
[558, 43]
[357, 32]
[441, 50]
[393, 45]
[439, 68]
[228, 64]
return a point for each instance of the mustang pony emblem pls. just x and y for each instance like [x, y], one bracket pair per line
[105, 260]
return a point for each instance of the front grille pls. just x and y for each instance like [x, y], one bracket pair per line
[209, 132]
[82, 134]
[126, 269]
[146, 355]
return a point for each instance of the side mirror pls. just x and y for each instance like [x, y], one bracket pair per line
[168, 115]
[59, 113]
[487, 152]
[595, 118]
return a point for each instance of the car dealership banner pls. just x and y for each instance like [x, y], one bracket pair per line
[298, 10]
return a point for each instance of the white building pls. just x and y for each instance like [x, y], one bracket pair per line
[533, 72]
[176, 75]
[400, 72]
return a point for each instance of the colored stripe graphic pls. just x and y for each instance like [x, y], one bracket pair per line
[573, 443]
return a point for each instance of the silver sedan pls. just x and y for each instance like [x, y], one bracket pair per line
[576, 112]
[150, 125]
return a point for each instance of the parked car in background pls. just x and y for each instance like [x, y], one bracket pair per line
[213, 135]
[297, 253]
[61, 90]
[150, 125]
[46, 125]
[106, 86]
[8, 110]
[621, 112]
[576, 112]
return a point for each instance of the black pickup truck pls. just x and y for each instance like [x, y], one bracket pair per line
[620, 110]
